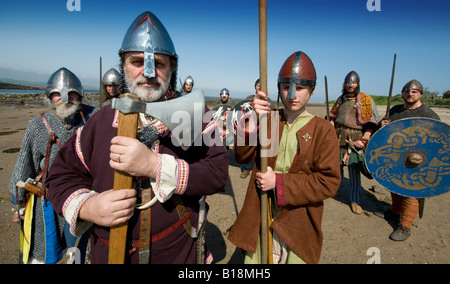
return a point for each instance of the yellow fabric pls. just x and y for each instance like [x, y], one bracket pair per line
[289, 144]
[366, 107]
[255, 258]
[25, 237]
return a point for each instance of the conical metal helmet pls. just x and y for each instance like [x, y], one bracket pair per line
[224, 91]
[112, 76]
[413, 85]
[297, 69]
[64, 81]
[351, 77]
[147, 34]
[189, 80]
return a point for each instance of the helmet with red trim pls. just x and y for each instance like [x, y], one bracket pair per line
[298, 69]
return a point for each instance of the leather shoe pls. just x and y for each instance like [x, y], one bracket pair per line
[401, 234]
[245, 173]
[356, 208]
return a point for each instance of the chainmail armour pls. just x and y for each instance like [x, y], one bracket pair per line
[399, 112]
[347, 126]
[31, 161]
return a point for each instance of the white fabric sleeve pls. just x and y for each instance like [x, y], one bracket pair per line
[71, 210]
[172, 177]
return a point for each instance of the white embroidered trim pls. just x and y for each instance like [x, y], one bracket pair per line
[166, 179]
[71, 210]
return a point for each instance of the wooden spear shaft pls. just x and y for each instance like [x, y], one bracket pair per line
[128, 124]
[326, 98]
[263, 161]
[100, 90]
[388, 107]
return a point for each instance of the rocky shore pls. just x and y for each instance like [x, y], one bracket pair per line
[23, 100]
[37, 99]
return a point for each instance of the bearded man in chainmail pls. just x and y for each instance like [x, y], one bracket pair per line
[354, 116]
[67, 114]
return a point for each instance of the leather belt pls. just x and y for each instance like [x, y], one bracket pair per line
[135, 244]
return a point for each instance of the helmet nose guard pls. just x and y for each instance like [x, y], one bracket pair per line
[64, 81]
[297, 69]
[351, 77]
[413, 85]
[147, 34]
[224, 91]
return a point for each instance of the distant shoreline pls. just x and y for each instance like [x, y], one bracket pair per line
[89, 98]
[10, 86]
[37, 99]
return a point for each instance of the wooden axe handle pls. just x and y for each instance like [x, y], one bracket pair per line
[118, 234]
[30, 188]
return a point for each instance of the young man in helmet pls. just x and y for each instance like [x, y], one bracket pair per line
[168, 231]
[67, 114]
[354, 116]
[224, 96]
[111, 84]
[404, 209]
[303, 173]
[188, 85]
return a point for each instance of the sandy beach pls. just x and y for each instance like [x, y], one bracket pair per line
[348, 238]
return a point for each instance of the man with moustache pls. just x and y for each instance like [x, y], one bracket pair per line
[354, 116]
[67, 114]
[224, 96]
[80, 183]
[187, 86]
[404, 209]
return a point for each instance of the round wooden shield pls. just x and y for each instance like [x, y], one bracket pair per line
[411, 157]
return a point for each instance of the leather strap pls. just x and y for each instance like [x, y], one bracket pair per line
[52, 139]
[145, 233]
[50, 131]
[181, 209]
[157, 237]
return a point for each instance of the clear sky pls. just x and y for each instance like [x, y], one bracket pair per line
[217, 40]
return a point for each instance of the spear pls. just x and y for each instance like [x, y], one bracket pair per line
[263, 161]
[100, 91]
[326, 98]
[388, 107]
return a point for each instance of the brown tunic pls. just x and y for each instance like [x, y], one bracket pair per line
[313, 177]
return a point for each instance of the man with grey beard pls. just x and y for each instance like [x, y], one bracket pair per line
[178, 178]
[67, 114]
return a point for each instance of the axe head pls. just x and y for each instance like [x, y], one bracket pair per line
[183, 116]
